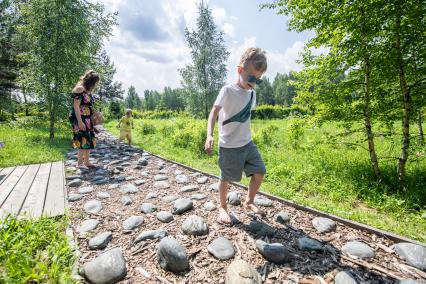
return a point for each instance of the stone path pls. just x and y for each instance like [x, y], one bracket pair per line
[139, 219]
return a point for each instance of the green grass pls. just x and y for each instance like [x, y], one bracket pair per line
[35, 251]
[27, 142]
[304, 166]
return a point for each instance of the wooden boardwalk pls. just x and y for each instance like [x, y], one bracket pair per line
[33, 190]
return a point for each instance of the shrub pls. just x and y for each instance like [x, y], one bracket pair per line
[192, 136]
[277, 111]
[265, 135]
[148, 128]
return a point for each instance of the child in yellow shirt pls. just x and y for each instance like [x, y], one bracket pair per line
[126, 126]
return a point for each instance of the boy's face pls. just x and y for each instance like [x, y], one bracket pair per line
[129, 114]
[249, 76]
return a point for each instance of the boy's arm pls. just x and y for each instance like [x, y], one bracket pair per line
[119, 123]
[133, 126]
[208, 146]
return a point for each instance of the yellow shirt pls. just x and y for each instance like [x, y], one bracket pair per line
[126, 123]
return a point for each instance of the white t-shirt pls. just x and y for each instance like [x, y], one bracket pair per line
[234, 116]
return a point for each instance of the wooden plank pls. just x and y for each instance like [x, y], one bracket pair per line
[33, 205]
[7, 186]
[55, 196]
[17, 197]
[4, 173]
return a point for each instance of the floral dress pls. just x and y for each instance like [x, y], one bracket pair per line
[83, 139]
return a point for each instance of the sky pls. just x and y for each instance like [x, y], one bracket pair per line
[148, 46]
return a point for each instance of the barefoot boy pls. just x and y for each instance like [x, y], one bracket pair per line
[126, 126]
[237, 152]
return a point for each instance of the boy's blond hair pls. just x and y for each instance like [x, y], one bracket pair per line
[255, 56]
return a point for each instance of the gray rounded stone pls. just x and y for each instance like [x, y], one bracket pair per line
[85, 190]
[143, 162]
[103, 180]
[234, 198]
[202, 180]
[309, 244]
[103, 195]
[189, 188]
[150, 234]
[126, 200]
[113, 186]
[344, 277]
[75, 182]
[241, 272]
[214, 187]
[181, 179]
[169, 198]
[172, 256]
[129, 188]
[140, 182]
[161, 184]
[148, 208]
[323, 225]
[107, 268]
[209, 206]
[151, 195]
[73, 177]
[415, 255]
[120, 178]
[411, 281]
[74, 197]
[274, 252]
[261, 229]
[178, 172]
[221, 248]
[198, 196]
[100, 241]
[182, 205]
[282, 218]
[87, 226]
[358, 249]
[132, 223]
[195, 226]
[263, 201]
[165, 216]
[93, 206]
[160, 177]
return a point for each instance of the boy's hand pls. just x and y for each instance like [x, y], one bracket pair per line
[208, 146]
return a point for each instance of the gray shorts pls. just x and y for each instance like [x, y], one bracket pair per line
[233, 161]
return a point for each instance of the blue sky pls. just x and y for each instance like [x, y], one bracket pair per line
[148, 47]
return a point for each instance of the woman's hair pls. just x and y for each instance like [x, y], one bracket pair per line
[87, 82]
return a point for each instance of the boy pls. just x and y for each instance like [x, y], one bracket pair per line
[237, 152]
[126, 126]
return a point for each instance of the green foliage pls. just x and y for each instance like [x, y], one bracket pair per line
[277, 111]
[27, 141]
[295, 132]
[163, 114]
[35, 251]
[132, 100]
[191, 136]
[266, 135]
[148, 128]
[206, 74]
[5, 116]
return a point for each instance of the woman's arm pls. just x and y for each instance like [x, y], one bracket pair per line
[77, 112]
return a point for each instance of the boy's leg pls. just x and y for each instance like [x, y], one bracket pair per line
[223, 210]
[80, 159]
[254, 167]
[255, 182]
[129, 138]
[231, 167]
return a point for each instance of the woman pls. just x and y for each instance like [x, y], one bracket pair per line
[81, 117]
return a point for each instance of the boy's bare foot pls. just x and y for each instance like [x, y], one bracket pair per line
[250, 206]
[224, 217]
[83, 167]
[89, 165]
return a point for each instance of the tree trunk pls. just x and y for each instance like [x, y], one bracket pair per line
[420, 126]
[26, 102]
[366, 109]
[52, 121]
[406, 99]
